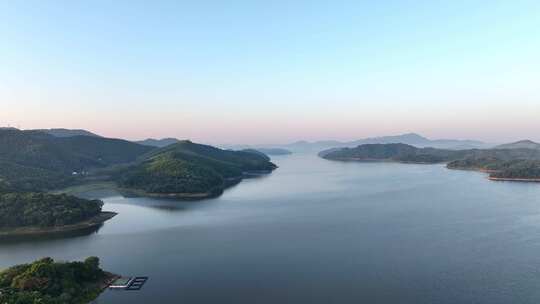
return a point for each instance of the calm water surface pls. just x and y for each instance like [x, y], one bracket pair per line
[318, 231]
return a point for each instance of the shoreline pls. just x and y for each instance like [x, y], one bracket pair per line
[487, 171]
[39, 231]
[377, 160]
[187, 196]
[499, 179]
[133, 192]
[108, 280]
[212, 193]
[515, 179]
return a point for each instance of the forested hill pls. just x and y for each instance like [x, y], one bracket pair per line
[501, 163]
[67, 154]
[33, 160]
[45, 210]
[187, 168]
[394, 152]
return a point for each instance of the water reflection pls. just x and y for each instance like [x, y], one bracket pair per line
[52, 236]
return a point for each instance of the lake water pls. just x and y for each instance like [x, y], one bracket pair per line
[318, 231]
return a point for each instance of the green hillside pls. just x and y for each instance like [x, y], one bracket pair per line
[33, 160]
[190, 168]
[521, 170]
[390, 152]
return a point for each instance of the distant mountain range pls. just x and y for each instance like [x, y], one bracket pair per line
[522, 144]
[412, 139]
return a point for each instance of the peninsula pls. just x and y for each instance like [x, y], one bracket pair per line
[521, 164]
[190, 171]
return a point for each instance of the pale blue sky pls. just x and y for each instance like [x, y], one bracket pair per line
[273, 71]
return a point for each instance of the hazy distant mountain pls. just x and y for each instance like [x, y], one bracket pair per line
[160, 143]
[522, 144]
[274, 151]
[409, 139]
[265, 149]
[60, 132]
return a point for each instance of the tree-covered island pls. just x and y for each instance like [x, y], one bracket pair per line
[46, 281]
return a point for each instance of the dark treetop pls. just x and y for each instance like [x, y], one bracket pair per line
[45, 210]
[48, 282]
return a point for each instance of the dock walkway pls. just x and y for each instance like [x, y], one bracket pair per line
[137, 283]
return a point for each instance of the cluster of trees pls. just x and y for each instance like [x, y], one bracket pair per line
[522, 169]
[165, 174]
[22, 178]
[187, 167]
[44, 210]
[204, 154]
[483, 163]
[48, 282]
[499, 168]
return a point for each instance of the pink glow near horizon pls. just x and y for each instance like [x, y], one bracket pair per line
[267, 132]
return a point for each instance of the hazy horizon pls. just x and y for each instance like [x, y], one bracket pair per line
[253, 73]
[280, 143]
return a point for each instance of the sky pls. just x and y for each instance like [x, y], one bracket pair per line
[273, 71]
